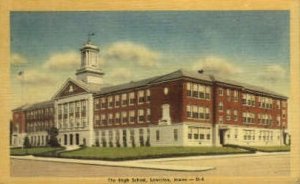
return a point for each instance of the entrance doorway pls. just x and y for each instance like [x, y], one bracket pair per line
[77, 139]
[222, 135]
[71, 139]
[65, 139]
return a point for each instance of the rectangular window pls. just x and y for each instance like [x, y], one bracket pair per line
[188, 111]
[195, 90]
[103, 119]
[175, 134]
[195, 112]
[117, 100]
[83, 108]
[132, 116]
[124, 100]
[97, 104]
[148, 95]
[131, 98]
[201, 91]
[110, 119]
[220, 106]
[157, 135]
[117, 118]
[110, 102]
[207, 92]
[189, 133]
[148, 115]
[103, 103]
[235, 115]
[141, 115]
[124, 117]
[141, 96]
[220, 91]
[188, 88]
[97, 120]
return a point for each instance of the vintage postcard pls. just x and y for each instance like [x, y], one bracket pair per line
[150, 92]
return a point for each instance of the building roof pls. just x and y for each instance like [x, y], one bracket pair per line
[22, 107]
[192, 75]
[43, 104]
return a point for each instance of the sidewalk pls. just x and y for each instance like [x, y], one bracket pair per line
[144, 163]
[128, 164]
[257, 154]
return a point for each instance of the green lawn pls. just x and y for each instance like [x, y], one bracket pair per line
[272, 148]
[31, 151]
[147, 152]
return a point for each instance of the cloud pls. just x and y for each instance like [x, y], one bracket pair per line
[273, 73]
[121, 74]
[132, 52]
[63, 61]
[17, 59]
[33, 77]
[216, 65]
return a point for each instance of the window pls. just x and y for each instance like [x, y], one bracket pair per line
[201, 113]
[235, 115]
[228, 115]
[220, 119]
[235, 96]
[97, 104]
[83, 108]
[188, 88]
[220, 91]
[131, 98]
[175, 132]
[110, 119]
[117, 118]
[77, 110]
[207, 92]
[201, 136]
[283, 114]
[124, 117]
[157, 135]
[220, 106]
[148, 119]
[97, 120]
[103, 103]
[188, 111]
[141, 115]
[195, 112]
[201, 91]
[195, 91]
[228, 92]
[190, 133]
[208, 136]
[124, 100]
[207, 113]
[148, 94]
[110, 102]
[132, 116]
[141, 96]
[284, 104]
[117, 100]
[103, 119]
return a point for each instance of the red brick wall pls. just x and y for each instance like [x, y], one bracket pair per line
[19, 118]
[243, 108]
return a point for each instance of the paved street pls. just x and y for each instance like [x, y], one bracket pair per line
[263, 165]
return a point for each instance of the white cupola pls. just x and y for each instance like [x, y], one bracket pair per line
[89, 70]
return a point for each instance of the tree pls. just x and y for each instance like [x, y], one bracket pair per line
[53, 142]
[26, 143]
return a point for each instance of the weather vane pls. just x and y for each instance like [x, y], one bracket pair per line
[89, 37]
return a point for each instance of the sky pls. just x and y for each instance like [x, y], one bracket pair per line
[246, 46]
